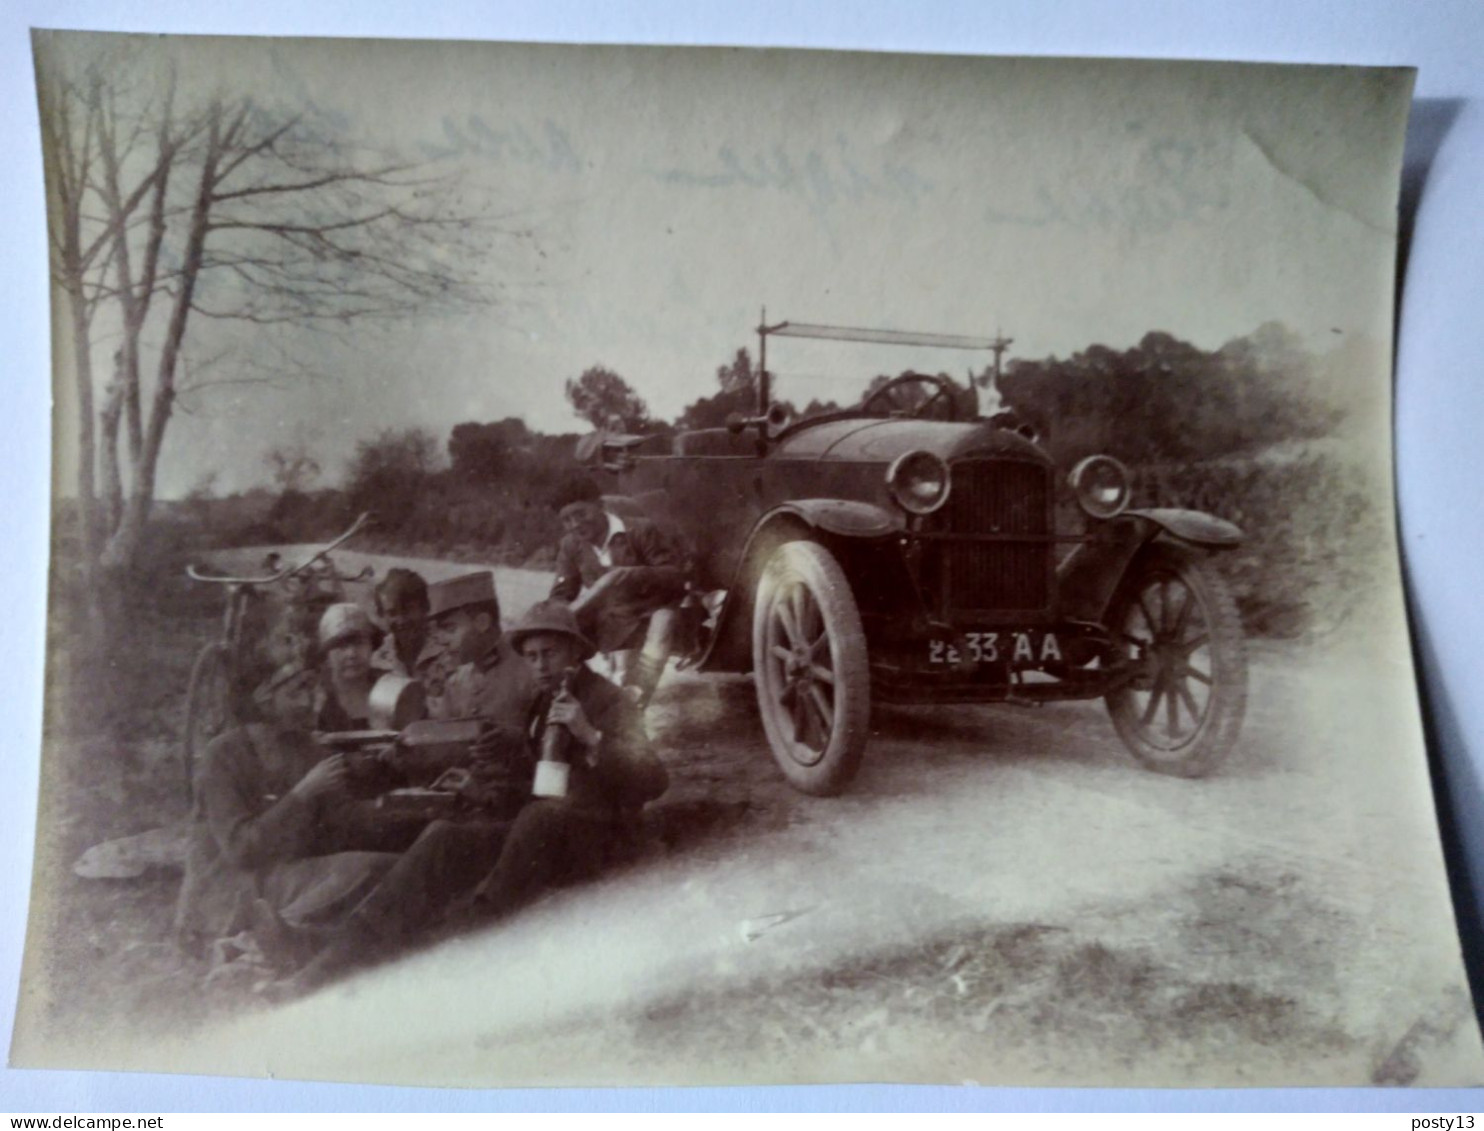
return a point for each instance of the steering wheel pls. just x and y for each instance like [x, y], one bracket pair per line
[911, 395]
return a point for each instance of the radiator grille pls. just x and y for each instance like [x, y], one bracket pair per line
[998, 497]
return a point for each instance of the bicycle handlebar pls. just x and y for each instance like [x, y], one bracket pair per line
[291, 571]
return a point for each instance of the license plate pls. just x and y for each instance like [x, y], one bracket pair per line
[1016, 648]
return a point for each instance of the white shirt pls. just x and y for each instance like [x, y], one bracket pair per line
[605, 551]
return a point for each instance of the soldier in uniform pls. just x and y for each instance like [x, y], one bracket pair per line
[624, 579]
[485, 678]
[612, 771]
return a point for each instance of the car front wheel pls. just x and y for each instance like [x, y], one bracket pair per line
[810, 668]
[1177, 624]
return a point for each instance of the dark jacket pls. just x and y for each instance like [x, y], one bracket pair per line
[640, 545]
[625, 772]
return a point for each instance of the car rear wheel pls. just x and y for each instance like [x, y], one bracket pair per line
[208, 708]
[810, 668]
[1178, 626]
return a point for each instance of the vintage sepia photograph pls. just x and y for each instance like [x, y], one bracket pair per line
[646, 566]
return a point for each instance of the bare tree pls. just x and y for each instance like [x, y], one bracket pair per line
[171, 212]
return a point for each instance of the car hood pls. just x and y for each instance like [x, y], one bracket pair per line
[876, 440]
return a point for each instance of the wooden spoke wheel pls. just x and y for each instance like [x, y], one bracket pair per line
[810, 668]
[1178, 625]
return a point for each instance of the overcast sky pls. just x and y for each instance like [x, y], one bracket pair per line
[674, 192]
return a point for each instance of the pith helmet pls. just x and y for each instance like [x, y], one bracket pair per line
[460, 592]
[550, 617]
[342, 621]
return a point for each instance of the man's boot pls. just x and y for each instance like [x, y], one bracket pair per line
[644, 677]
[649, 665]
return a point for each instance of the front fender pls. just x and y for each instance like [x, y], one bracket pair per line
[1088, 578]
[837, 519]
[1196, 527]
[844, 517]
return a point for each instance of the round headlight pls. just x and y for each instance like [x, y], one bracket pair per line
[1101, 485]
[918, 482]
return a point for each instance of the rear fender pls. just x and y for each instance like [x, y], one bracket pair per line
[837, 523]
[1091, 574]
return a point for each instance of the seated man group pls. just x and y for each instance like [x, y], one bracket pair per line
[274, 850]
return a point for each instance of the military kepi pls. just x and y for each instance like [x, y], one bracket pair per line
[462, 591]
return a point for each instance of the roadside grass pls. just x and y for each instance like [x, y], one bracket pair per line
[1208, 996]
[112, 767]
[1313, 539]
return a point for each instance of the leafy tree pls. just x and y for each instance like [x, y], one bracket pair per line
[482, 452]
[603, 398]
[817, 407]
[739, 375]
[738, 381]
[389, 473]
[713, 411]
[1166, 400]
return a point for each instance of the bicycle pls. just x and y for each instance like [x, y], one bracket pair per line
[228, 668]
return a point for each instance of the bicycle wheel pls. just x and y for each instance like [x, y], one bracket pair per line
[208, 709]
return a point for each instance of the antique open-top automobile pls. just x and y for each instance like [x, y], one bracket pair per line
[905, 551]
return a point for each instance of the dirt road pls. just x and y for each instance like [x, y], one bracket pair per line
[1002, 896]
